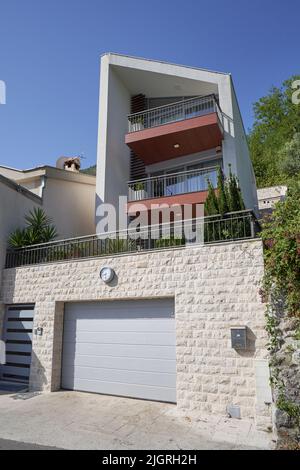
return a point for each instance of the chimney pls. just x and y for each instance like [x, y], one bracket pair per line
[69, 164]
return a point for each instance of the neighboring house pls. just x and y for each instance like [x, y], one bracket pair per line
[267, 198]
[180, 323]
[163, 131]
[67, 196]
[15, 203]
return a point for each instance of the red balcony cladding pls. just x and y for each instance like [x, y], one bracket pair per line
[188, 136]
[194, 198]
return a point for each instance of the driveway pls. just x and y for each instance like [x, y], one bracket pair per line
[73, 420]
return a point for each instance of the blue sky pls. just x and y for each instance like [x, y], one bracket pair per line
[50, 52]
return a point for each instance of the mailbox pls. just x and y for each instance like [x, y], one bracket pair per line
[239, 337]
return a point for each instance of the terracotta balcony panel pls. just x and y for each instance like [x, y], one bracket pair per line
[192, 135]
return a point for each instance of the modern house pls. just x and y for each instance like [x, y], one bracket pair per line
[163, 131]
[182, 323]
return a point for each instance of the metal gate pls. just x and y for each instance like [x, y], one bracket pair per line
[17, 335]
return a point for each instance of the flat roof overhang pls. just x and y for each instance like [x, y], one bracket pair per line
[176, 139]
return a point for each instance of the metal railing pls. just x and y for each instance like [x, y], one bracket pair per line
[178, 111]
[213, 229]
[172, 184]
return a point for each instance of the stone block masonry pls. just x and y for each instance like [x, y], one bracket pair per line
[215, 287]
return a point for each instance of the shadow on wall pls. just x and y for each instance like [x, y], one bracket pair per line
[251, 340]
[38, 379]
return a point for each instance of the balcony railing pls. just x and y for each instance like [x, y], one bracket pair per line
[179, 111]
[214, 229]
[172, 184]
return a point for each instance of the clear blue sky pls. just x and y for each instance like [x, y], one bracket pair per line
[50, 52]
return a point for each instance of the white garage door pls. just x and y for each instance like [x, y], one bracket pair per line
[121, 348]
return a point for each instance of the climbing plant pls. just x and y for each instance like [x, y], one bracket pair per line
[281, 236]
[281, 285]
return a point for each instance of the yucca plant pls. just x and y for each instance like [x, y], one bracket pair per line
[39, 229]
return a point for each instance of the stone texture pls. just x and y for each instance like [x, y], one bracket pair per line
[215, 287]
[285, 362]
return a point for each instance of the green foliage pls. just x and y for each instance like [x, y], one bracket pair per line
[169, 241]
[272, 328]
[277, 120]
[227, 198]
[234, 196]
[289, 157]
[211, 206]
[223, 194]
[281, 236]
[90, 170]
[39, 229]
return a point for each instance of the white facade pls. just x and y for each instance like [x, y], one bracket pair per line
[123, 77]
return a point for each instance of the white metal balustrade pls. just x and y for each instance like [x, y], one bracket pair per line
[172, 184]
[178, 111]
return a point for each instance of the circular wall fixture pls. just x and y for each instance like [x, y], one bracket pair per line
[107, 274]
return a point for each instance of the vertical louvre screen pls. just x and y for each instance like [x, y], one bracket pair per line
[17, 336]
[137, 167]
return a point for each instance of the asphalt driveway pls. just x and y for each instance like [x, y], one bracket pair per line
[73, 420]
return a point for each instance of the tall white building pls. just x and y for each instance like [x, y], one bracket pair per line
[163, 131]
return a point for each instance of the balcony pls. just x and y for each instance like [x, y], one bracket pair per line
[172, 184]
[186, 187]
[171, 131]
[206, 230]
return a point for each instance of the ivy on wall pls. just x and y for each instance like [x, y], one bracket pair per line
[281, 237]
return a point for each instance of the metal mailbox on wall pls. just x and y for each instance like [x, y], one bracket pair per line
[239, 337]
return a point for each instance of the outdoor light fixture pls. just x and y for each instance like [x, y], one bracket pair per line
[176, 146]
[107, 274]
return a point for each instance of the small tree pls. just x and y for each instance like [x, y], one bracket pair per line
[289, 157]
[39, 229]
[234, 196]
[211, 206]
[227, 197]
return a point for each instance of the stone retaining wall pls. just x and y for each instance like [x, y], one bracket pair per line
[215, 287]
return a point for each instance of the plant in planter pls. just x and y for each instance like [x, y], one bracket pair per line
[39, 229]
[139, 189]
[138, 124]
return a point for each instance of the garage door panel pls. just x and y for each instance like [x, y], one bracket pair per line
[162, 379]
[121, 348]
[119, 337]
[124, 350]
[155, 308]
[119, 362]
[146, 392]
[130, 325]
